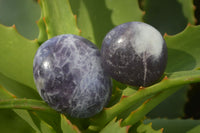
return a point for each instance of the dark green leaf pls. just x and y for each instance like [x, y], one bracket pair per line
[10, 122]
[42, 125]
[169, 16]
[22, 13]
[51, 118]
[171, 107]
[174, 125]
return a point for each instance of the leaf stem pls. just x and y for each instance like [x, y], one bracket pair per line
[28, 104]
[147, 106]
[175, 79]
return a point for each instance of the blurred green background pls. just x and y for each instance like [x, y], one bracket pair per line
[159, 13]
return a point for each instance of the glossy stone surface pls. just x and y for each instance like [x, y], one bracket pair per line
[69, 76]
[134, 53]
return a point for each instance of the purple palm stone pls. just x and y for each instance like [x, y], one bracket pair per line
[69, 76]
[134, 53]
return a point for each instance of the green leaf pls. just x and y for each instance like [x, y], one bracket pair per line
[195, 129]
[16, 54]
[173, 106]
[67, 126]
[10, 122]
[188, 10]
[169, 16]
[28, 104]
[42, 28]
[41, 124]
[27, 117]
[109, 113]
[18, 89]
[4, 94]
[93, 19]
[9, 101]
[129, 91]
[114, 127]
[51, 118]
[147, 128]
[22, 13]
[147, 106]
[174, 125]
[97, 18]
[58, 18]
[124, 11]
[115, 97]
[183, 50]
[183, 54]
[45, 128]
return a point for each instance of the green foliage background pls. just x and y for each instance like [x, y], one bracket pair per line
[175, 19]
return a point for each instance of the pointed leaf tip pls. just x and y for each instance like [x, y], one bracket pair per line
[165, 78]
[14, 26]
[165, 35]
[141, 88]
[67, 126]
[143, 12]
[114, 127]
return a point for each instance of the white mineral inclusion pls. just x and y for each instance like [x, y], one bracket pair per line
[146, 39]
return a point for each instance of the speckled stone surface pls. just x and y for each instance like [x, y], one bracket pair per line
[69, 76]
[134, 53]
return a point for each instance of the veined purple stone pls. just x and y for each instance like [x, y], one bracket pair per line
[134, 53]
[69, 76]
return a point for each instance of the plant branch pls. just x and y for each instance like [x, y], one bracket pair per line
[175, 79]
[28, 104]
[147, 106]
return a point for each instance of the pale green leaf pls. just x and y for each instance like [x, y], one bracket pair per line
[16, 56]
[196, 129]
[184, 50]
[18, 89]
[58, 17]
[67, 126]
[114, 127]
[147, 128]
[124, 11]
[93, 18]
